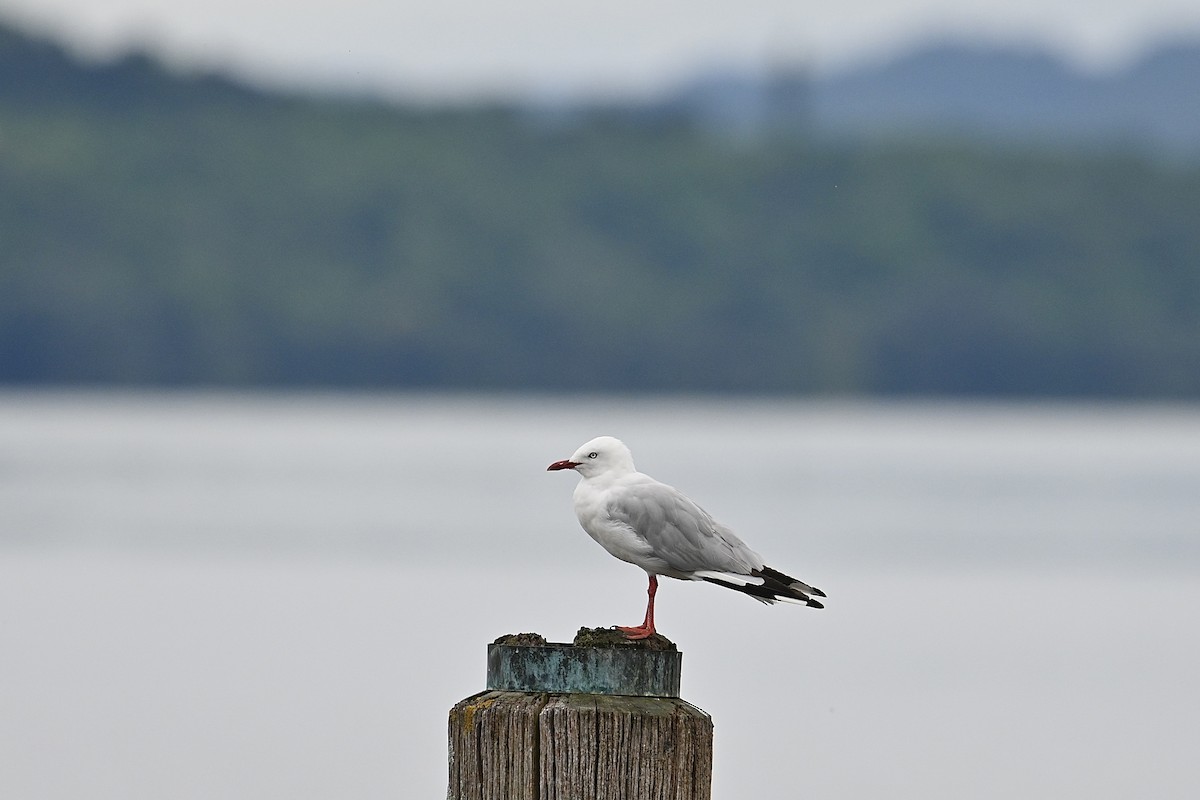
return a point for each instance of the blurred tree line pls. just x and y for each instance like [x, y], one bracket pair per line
[158, 229]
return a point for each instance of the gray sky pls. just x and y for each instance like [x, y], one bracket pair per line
[480, 47]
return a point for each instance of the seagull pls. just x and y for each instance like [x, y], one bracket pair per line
[656, 527]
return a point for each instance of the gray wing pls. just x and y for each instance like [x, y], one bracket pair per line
[680, 533]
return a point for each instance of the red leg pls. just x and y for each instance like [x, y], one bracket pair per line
[646, 629]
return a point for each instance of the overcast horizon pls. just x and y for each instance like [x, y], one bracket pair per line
[532, 48]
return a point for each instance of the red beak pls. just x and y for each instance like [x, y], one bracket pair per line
[566, 464]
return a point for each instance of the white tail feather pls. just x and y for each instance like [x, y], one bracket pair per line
[728, 577]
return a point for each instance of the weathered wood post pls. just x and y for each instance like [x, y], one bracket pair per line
[600, 719]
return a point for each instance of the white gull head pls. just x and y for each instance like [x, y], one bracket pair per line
[604, 455]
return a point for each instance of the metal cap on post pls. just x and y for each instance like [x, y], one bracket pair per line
[597, 718]
[567, 669]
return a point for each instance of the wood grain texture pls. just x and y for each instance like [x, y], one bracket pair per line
[493, 740]
[516, 746]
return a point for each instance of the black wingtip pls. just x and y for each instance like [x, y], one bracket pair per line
[771, 591]
[786, 586]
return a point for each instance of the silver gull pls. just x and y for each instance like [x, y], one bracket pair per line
[658, 528]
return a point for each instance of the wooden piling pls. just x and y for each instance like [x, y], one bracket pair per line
[611, 742]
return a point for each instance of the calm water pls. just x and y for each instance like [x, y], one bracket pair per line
[246, 597]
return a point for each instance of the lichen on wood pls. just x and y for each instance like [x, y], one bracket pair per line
[590, 637]
[611, 637]
[522, 640]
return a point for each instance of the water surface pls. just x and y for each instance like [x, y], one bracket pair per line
[267, 596]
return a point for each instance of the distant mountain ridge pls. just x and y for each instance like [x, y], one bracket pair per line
[1004, 92]
[36, 72]
[1022, 93]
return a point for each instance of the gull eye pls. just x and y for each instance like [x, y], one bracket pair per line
[593, 454]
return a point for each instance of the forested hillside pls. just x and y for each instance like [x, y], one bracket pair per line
[158, 229]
